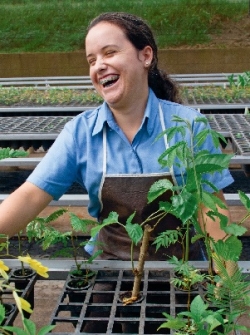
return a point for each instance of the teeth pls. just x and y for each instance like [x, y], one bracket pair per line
[108, 79]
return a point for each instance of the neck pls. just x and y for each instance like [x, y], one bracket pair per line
[129, 119]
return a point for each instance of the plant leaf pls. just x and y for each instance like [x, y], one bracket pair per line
[230, 249]
[185, 205]
[134, 231]
[245, 200]
[16, 330]
[235, 229]
[158, 188]
[112, 218]
[30, 326]
[173, 324]
[45, 330]
[197, 308]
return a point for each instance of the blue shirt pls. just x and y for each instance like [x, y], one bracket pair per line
[77, 153]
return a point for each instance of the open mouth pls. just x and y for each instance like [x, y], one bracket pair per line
[109, 81]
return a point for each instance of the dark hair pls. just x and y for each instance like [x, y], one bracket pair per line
[140, 35]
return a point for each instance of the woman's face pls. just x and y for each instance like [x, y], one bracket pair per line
[117, 69]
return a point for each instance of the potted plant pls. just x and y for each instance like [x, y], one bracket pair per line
[185, 203]
[41, 229]
[23, 306]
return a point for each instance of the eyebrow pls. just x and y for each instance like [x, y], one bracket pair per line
[103, 48]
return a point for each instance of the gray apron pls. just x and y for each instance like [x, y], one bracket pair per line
[126, 194]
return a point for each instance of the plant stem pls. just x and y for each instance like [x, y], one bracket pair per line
[142, 256]
[74, 251]
[20, 251]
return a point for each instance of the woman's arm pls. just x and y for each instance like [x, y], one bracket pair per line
[21, 207]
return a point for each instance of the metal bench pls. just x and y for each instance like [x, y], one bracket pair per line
[84, 82]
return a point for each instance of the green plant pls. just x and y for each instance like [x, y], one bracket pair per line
[42, 26]
[200, 320]
[41, 229]
[186, 203]
[29, 327]
[242, 80]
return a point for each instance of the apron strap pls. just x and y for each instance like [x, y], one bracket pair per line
[104, 164]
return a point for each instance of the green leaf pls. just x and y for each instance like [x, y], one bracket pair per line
[134, 231]
[158, 188]
[2, 313]
[173, 324]
[185, 205]
[197, 308]
[111, 219]
[235, 229]
[30, 326]
[209, 201]
[245, 200]
[78, 224]
[45, 330]
[230, 249]
[201, 119]
[166, 238]
[210, 163]
[212, 321]
[168, 157]
[93, 257]
[16, 330]
[165, 206]
[55, 215]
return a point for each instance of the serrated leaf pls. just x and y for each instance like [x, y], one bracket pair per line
[185, 205]
[235, 229]
[209, 163]
[111, 219]
[168, 157]
[166, 238]
[208, 201]
[230, 249]
[78, 224]
[130, 218]
[244, 200]
[134, 231]
[158, 188]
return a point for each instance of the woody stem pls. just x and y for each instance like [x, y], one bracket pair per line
[142, 256]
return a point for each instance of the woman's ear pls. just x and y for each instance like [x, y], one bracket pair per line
[146, 55]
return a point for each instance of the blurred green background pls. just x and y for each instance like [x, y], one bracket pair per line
[60, 25]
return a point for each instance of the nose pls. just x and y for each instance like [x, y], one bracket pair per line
[100, 64]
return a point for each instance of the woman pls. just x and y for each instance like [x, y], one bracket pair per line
[112, 150]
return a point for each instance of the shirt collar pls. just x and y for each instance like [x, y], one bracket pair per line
[105, 115]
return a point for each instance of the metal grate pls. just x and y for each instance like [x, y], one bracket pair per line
[237, 127]
[111, 317]
[37, 131]
[32, 124]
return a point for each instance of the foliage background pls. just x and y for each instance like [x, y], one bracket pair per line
[60, 25]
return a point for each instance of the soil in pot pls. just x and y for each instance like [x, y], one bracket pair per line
[78, 284]
[25, 273]
[82, 274]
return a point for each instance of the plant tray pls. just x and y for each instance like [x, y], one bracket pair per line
[77, 309]
[25, 287]
[41, 131]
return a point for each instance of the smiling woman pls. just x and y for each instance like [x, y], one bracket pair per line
[112, 151]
